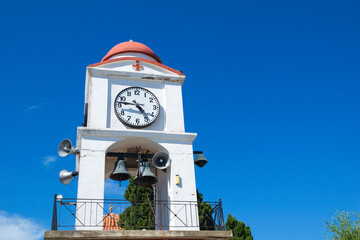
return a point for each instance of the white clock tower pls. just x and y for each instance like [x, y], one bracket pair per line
[132, 102]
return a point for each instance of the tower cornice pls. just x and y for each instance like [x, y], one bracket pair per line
[137, 59]
[159, 135]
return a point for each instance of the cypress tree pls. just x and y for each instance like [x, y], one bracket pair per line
[139, 214]
[240, 231]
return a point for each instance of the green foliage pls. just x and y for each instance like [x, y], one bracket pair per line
[240, 231]
[141, 216]
[205, 218]
[344, 226]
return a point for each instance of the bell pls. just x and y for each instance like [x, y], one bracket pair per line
[120, 172]
[200, 160]
[145, 176]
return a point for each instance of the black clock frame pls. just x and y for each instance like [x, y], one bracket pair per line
[131, 125]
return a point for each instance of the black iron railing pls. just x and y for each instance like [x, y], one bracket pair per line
[72, 213]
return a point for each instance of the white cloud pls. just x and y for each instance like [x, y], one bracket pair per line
[15, 227]
[49, 159]
[28, 109]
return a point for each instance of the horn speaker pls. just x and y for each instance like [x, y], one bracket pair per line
[65, 176]
[65, 148]
[161, 160]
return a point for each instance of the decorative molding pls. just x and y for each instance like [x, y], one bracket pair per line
[137, 59]
[148, 134]
[134, 75]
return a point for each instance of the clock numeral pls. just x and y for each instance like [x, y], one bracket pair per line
[152, 114]
[122, 98]
[144, 94]
[146, 119]
[137, 92]
[154, 107]
[151, 99]
[129, 117]
[137, 121]
[122, 113]
[129, 94]
[119, 105]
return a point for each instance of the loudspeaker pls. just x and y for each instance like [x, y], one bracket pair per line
[161, 160]
[65, 176]
[65, 147]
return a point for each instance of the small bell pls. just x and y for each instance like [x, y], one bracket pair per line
[145, 176]
[120, 172]
[200, 160]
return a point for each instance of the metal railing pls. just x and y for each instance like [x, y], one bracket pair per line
[72, 213]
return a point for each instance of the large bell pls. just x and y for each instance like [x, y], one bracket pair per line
[120, 172]
[145, 176]
[200, 160]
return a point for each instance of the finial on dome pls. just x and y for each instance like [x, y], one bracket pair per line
[130, 40]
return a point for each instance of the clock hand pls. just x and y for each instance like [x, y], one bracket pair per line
[127, 103]
[137, 104]
[130, 103]
[142, 112]
[141, 109]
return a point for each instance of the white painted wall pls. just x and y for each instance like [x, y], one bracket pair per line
[98, 103]
[90, 184]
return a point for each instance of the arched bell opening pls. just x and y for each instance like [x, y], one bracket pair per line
[131, 146]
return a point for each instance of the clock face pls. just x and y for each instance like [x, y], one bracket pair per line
[136, 107]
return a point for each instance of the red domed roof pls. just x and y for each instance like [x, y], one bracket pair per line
[131, 46]
[111, 222]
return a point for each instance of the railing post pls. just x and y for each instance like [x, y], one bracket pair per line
[221, 215]
[135, 208]
[54, 217]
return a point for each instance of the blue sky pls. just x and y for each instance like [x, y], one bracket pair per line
[272, 90]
